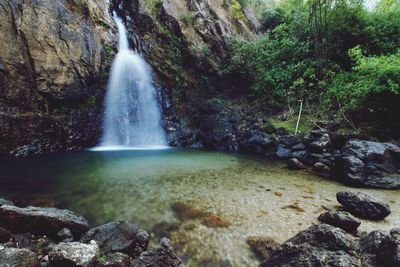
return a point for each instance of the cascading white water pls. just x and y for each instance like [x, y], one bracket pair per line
[132, 114]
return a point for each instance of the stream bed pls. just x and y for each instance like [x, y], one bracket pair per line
[207, 203]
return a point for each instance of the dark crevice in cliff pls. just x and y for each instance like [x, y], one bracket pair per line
[30, 59]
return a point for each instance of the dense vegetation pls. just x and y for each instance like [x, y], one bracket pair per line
[340, 58]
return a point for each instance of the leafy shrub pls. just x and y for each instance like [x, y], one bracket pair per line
[186, 18]
[271, 18]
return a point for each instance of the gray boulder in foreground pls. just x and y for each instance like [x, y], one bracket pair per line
[119, 236]
[363, 205]
[15, 257]
[74, 254]
[42, 221]
[318, 245]
[161, 255]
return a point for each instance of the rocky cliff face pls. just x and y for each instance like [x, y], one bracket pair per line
[52, 72]
[55, 58]
[186, 42]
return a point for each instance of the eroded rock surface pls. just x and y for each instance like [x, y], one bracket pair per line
[363, 205]
[370, 164]
[340, 219]
[319, 245]
[41, 220]
[119, 236]
[74, 254]
[52, 60]
[15, 257]
[159, 256]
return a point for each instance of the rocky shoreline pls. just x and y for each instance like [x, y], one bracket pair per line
[347, 158]
[41, 236]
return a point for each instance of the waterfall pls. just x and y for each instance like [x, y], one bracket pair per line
[132, 117]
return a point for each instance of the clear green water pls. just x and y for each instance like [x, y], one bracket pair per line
[252, 194]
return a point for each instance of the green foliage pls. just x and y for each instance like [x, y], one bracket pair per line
[371, 76]
[382, 31]
[108, 53]
[186, 18]
[102, 259]
[238, 11]
[279, 66]
[270, 18]
[312, 50]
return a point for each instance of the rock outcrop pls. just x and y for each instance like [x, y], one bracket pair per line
[17, 257]
[52, 74]
[370, 164]
[320, 245]
[160, 255]
[37, 220]
[31, 240]
[119, 236]
[74, 254]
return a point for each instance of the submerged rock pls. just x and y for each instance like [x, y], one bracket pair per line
[363, 205]
[164, 229]
[161, 255]
[186, 212]
[74, 254]
[215, 221]
[340, 219]
[119, 236]
[16, 257]
[46, 221]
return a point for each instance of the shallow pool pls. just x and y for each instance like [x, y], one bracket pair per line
[208, 203]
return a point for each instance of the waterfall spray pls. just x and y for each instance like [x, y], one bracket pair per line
[132, 116]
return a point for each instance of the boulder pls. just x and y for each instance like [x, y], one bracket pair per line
[5, 235]
[319, 141]
[369, 245]
[74, 254]
[218, 132]
[363, 206]
[119, 236]
[319, 245]
[45, 221]
[322, 169]
[282, 152]
[370, 164]
[295, 164]
[263, 247]
[16, 257]
[255, 141]
[36, 244]
[340, 219]
[160, 256]
[65, 235]
[388, 252]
